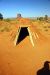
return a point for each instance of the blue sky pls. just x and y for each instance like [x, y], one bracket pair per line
[28, 8]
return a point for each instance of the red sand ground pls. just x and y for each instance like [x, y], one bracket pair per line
[23, 59]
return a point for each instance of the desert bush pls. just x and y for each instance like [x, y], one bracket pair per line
[37, 18]
[40, 18]
[1, 16]
[46, 29]
[46, 17]
[7, 20]
[4, 28]
[45, 26]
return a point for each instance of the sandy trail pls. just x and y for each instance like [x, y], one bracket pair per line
[23, 59]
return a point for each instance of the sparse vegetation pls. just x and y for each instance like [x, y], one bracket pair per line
[9, 25]
[40, 18]
[1, 16]
[4, 28]
[45, 26]
[46, 29]
[7, 20]
[46, 17]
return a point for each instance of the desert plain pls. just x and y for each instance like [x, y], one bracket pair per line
[23, 59]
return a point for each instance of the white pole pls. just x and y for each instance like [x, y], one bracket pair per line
[30, 36]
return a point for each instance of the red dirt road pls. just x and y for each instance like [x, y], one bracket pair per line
[23, 59]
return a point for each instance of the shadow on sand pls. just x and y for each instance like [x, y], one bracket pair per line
[45, 70]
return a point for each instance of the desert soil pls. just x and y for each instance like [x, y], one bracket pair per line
[23, 59]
